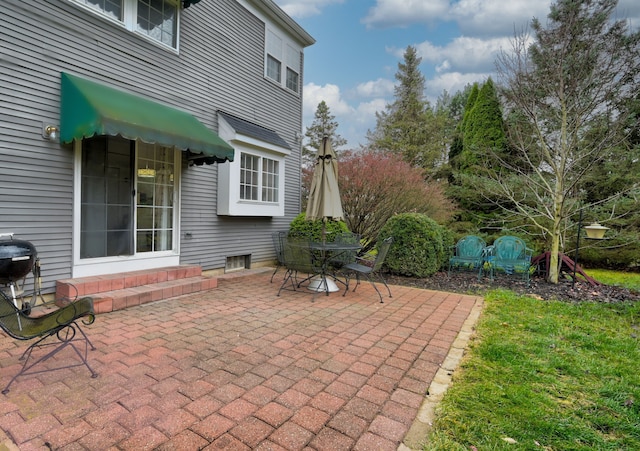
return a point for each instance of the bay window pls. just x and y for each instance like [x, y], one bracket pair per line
[253, 183]
[258, 178]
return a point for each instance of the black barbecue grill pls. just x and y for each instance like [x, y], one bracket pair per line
[17, 259]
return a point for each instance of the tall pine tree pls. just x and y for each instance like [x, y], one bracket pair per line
[408, 126]
[324, 124]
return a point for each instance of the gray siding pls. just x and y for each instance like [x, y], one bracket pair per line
[219, 66]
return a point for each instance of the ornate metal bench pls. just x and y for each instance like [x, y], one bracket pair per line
[61, 323]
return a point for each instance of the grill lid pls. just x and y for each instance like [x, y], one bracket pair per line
[16, 259]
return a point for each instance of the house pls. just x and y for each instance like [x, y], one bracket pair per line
[138, 135]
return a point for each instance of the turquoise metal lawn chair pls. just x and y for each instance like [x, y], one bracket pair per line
[510, 255]
[469, 253]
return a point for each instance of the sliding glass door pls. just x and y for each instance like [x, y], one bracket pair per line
[155, 210]
[107, 197]
[127, 198]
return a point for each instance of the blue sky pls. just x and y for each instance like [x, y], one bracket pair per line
[359, 44]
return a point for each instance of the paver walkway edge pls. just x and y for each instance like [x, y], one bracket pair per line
[414, 440]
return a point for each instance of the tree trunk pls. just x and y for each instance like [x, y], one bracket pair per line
[554, 262]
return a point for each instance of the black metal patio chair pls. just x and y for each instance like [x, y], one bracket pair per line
[345, 257]
[298, 259]
[277, 238]
[369, 268]
[61, 323]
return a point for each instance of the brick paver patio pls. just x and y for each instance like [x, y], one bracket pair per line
[240, 368]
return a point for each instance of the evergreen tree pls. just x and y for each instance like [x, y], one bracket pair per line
[457, 145]
[449, 110]
[479, 144]
[484, 128]
[324, 124]
[408, 126]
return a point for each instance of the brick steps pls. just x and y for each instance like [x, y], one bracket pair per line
[118, 291]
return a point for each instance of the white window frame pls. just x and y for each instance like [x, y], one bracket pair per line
[258, 183]
[287, 53]
[129, 19]
[230, 202]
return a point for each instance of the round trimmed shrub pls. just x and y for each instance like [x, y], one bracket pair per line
[419, 245]
[300, 227]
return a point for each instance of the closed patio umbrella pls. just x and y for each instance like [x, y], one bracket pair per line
[324, 195]
[324, 199]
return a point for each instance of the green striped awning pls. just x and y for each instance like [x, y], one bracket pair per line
[89, 108]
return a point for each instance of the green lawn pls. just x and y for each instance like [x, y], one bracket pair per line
[546, 375]
[625, 279]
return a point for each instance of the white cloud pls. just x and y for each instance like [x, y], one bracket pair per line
[301, 9]
[494, 17]
[452, 82]
[375, 88]
[368, 110]
[401, 13]
[631, 10]
[354, 127]
[314, 94]
[483, 29]
[463, 53]
[445, 66]
[353, 121]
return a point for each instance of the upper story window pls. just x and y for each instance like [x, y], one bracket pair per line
[292, 80]
[112, 8]
[274, 69]
[156, 19]
[282, 61]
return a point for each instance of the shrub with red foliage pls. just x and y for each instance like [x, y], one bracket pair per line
[374, 186]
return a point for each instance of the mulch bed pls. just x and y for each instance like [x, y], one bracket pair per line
[467, 282]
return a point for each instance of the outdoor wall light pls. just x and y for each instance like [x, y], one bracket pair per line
[50, 132]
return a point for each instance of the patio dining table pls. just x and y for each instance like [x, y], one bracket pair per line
[326, 252]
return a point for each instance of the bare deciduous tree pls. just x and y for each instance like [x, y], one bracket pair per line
[567, 97]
